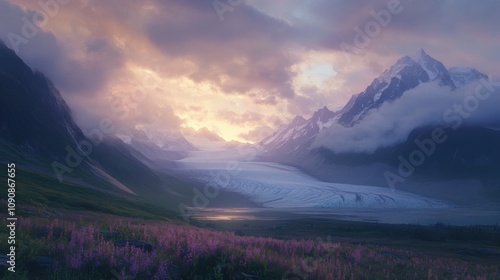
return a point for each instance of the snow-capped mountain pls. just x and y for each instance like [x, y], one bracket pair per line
[470, 156]
[299, 132]
[464, 75]
[406, 74]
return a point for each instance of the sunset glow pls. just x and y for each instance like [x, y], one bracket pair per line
[239, 76]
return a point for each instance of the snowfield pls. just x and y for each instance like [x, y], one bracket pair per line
[280, 186]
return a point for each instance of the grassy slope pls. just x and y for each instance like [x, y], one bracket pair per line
[39, 189]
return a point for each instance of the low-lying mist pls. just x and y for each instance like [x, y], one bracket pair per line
[426, 105]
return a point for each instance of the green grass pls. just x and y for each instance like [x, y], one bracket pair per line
[39, 189]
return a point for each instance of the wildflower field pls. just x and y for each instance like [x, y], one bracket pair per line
[86, 245]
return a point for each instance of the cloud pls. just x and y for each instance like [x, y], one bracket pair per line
[204, 133]
[246, 54]
[248, 62]
[304, 105]
[257, 134]
[426, 105]
[260, 126]
[240, 119]
[85, 74]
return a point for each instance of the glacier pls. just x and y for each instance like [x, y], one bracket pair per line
[276, 185]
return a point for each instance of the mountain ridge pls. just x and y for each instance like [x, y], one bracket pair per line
[461, 158]
[406, 73]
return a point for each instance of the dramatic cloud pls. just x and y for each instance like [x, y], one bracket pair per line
[236, 55]
[275, 58]
[426, 105]
[84, 70]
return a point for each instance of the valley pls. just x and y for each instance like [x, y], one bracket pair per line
[153, 140]
[284, 192]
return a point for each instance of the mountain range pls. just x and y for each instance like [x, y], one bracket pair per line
[407, 73]
[37, 130]
[468, 161]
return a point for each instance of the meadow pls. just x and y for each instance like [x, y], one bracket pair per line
[73, 244]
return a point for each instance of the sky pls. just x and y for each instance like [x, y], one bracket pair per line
[234, 69]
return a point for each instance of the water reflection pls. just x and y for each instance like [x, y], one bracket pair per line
[454, 216]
